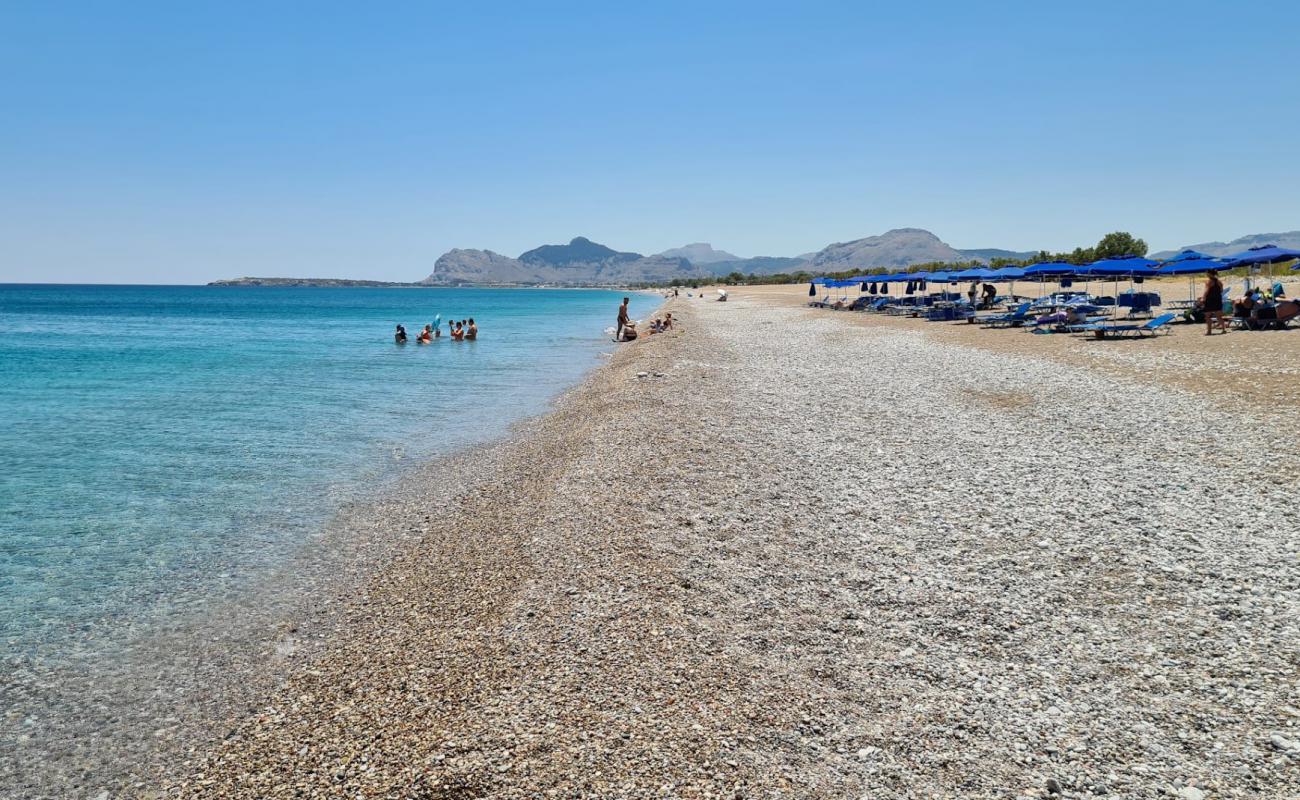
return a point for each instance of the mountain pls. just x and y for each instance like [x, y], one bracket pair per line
[579, 251]
[580, 262]
[1290, 240]
[701, 253]
[900, 247]
[987, 254]
[481, 266]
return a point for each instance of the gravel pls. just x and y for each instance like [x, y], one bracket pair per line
[800, 558]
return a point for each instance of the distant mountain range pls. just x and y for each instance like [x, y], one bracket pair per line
[583, 261]
[1290, 240]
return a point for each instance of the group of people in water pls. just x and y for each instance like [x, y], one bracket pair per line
[464, 330]
[626, 328]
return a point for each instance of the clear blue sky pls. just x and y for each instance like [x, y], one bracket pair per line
[182, 142]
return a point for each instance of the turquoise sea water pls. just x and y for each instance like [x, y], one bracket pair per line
[162, 443]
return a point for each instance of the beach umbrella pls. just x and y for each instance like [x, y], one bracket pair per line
[1050, 270]
[1263, 254]
[1119, 267]
[1189, 263]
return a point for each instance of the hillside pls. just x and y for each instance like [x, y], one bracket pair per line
[701, 253]
[1290, 239]
[900, 247]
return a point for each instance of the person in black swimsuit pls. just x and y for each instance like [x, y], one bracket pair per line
[1212, 304]
[400, 336]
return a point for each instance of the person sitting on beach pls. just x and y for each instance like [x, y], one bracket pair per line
[426, 335]
[628, 333]
[400, 336]
[1242, 308]
[457, 333]
[471, 332]
[1074, 316]
[668, 321]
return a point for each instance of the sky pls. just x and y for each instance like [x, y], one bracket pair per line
[163, 142]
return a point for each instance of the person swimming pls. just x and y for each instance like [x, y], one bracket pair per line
[472, 331]
[400, 336]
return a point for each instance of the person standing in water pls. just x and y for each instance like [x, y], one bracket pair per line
[400, 336]
[623, 319]
[457, 333]
[472, 331]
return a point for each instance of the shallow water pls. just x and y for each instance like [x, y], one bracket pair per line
[164, 449]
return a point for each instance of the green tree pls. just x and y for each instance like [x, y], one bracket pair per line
[1119, 243]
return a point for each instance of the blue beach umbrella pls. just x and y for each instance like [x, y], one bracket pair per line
[1049, 271]
[1189, 262]
[1264, 254]
[1122, 267]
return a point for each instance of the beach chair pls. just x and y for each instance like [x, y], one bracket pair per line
[1151, 327]
[1012, 319]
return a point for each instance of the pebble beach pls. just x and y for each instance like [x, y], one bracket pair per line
[786, 553]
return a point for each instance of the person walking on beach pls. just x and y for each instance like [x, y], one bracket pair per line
[1212, 304]
[623, 319]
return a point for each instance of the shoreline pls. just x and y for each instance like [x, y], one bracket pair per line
[176, 682]
[777, 566]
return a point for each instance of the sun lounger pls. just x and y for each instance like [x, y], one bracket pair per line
[1065, 327]
[1149, 328]
[1012, 319]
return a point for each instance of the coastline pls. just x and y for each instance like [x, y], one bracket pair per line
[147, 692]
[786, 561]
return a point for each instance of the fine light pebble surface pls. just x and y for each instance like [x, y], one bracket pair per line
[778, 555]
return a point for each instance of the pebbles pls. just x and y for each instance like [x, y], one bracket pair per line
[820, 563]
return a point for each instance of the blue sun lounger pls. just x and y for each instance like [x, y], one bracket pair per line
[1012, 319]
[1148, 328]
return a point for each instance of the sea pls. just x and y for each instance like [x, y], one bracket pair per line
[164, 448]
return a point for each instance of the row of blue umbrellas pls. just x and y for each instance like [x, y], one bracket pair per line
[1188, 262]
